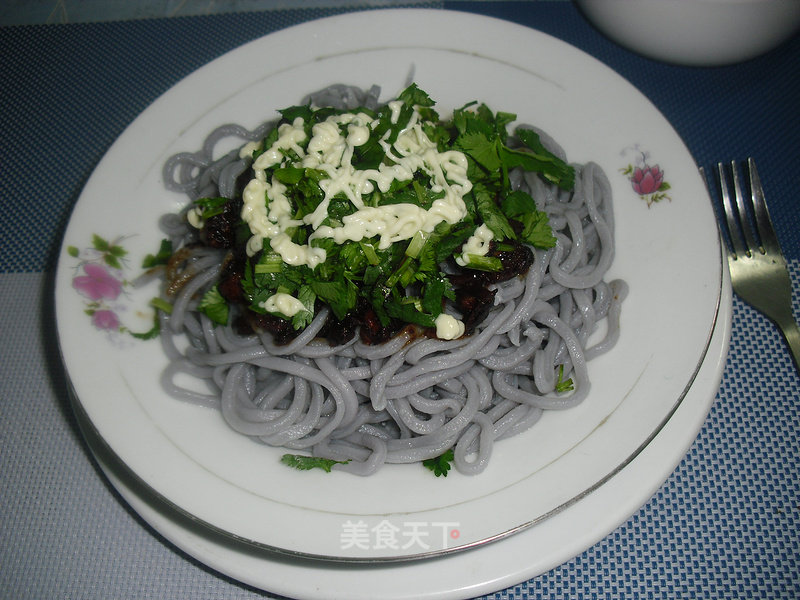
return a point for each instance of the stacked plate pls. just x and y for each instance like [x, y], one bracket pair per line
[549, 493]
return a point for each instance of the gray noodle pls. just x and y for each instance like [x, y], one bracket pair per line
[409, 399]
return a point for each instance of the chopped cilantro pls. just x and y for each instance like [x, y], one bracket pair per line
[159, 258]
[440, 465]
[214, 306]
[518, 203]
[289, 175]
[484, 263]
[536, 229]
[483, 150]
[150, 334]
[436, 288]
[294, 112]
[542, 160]
[306, 463]
[491, 214]
[563, 385]
[519, 206]
[340, 295]
[412, 95]
[302, 318]
[211, 207]
[369, 253]
[270, 262]
[161, 304]
[407, 280]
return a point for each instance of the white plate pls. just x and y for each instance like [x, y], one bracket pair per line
[466, 574]
[667, 251]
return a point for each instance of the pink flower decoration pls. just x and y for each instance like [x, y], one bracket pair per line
[97, 283]
[105, 319]
[647, 180]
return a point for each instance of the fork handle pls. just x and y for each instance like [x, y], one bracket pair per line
[792, 334]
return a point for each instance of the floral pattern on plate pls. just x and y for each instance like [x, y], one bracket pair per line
[100, 278]
[646, 178]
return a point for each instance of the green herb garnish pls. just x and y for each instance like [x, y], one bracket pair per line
[440, 465]
[159, 258]
[214, 306]
[404, 281]
[306, 463]
[563, 385]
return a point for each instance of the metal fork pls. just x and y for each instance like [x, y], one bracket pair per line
[757, 266]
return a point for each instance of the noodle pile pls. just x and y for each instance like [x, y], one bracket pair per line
[412, 398]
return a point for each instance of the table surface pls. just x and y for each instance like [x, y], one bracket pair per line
[724, 525]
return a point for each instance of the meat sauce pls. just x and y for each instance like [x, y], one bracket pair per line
[474, 299]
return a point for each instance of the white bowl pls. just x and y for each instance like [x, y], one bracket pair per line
[695, 32]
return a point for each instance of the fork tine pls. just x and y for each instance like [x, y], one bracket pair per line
[758, 275]
[769, 241]
[744, 220]
[739, 249]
